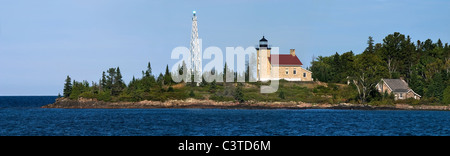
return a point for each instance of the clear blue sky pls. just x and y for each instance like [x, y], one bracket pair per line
[43, 41]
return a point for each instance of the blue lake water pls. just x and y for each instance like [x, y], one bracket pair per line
[22, 116]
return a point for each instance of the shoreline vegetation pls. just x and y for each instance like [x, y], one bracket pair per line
[345, 81]
[83, 103]
[290, 95]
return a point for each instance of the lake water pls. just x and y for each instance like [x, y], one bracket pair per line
[22, 116]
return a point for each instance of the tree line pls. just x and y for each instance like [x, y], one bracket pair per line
[424, 65]
[111, 86]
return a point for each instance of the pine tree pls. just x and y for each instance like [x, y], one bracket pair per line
[167, 76]
[435, 88]
[247, 72]
[239, 93]
[213, 86]
[446, 96]
[118, 85]
[160, 81]
[203, 83]
[67, 87]
[439, 44]
[148, 72]
[370, 48]
[110, 78]
[392, 52]
[103, 84]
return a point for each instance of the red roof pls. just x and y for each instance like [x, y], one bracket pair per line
[287, 59]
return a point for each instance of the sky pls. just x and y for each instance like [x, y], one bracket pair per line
[41, 42]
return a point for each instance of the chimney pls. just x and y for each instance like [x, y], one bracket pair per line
[292, 52]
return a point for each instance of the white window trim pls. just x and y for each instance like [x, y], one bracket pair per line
[287, 71]
[294, 71]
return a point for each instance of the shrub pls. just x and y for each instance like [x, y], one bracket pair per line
[446, 99]
[239, 94]
[125, 97]
[170, 89]
[88, 95]
[192, 94]
[221, 98]
[281, 95]
[104, 96]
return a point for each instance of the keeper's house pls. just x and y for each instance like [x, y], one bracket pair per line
[288, 66]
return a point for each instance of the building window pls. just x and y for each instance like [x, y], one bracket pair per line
[401, 95]
[304, 74]
[295, 71]
[287, 71]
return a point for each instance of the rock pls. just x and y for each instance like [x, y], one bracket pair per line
[195, 103]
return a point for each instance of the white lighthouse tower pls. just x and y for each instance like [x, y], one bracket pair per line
[196, 60]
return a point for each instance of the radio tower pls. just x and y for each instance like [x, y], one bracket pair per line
[196, 61]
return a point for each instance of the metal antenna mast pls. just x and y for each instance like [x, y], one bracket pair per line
[196, 61]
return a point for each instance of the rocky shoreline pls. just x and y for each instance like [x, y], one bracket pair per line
[83, 103]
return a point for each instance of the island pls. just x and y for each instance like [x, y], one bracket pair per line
[397, 74]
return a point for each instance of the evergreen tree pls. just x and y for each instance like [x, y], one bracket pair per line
[167, 76]
[77, 89]
[191, 93]
[336, 67]
[67, 87]
[148, 72]
[239, 93]
[446, 96]
[170, 89]
[160, 81]
[110, 78]
[225, 72]
[439, 44]
[247, 72]
[370, 47]
[203, 83]
[118, 84]
[321, 69]
[132, 86]
[95, 88]
[416, 82]
[428, 46]
[347, 65]
[213, 87]
[103, 82]
[391, 52]
[435, 88]
[409, 58]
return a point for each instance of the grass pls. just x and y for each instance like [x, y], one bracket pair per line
[310, 92]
